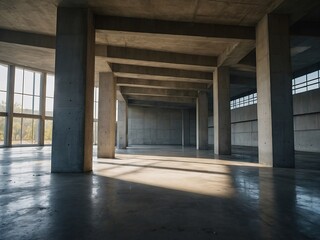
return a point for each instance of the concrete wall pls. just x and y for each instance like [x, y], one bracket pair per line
[306, 108]
[163, 126]
[154, 126]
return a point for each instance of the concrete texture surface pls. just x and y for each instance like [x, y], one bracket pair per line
[274, 88]
[107, 115]
[202, 121]
[72, 136]
[154, 126]
[156, 193]
[221, 111]
[122, 125]
[190, 37]
[306, 106]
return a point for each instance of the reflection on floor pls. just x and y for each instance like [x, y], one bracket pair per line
[158, 193]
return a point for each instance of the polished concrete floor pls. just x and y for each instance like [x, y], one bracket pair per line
[158, 193]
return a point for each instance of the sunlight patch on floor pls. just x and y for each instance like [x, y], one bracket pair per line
[202, 176]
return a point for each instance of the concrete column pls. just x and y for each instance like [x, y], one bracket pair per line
[122, 125]
[185, 127]
[107, 115]
[275, 114]
[221, 111]
[73, 99]
[202, 121]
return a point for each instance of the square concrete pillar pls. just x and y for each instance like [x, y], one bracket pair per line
[274, 88]
[73, 99]
[185, 127]
[122, 125]
[202, 121]
[107, 115]
[221, 111]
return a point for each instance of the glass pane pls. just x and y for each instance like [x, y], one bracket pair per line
[314, 86]
[50, 86]
[49, 106]
[313, 75]
[16, 131]
[95, 111]
[3, 101]
[37, 84]
[300, 79]
[2, 129]
[300, 90]
[48, 132]
[28, 82]
[117, 104]
[27, 130]
[30, 131]
[95, 132]
[96, 94]
[3, 77]
[35, 133]
[312, 82]
[36, 107]
[18, 80]
[27, 104]
[17, 108]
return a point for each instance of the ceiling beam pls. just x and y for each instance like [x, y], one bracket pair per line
[160, 104]
[139, 103]
[167, 99]
[29, 39]
[165, 74]
[119, 95]
[152, 26]
[134, 56]
[160, 84]
[234, 54]
[158, 92]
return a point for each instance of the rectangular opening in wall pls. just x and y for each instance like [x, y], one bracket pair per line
[95, 132]
[3, 87]
[27, 92]
[25, 131]
[48, 132]
[49, 95]
[95, 115]
[2, 130]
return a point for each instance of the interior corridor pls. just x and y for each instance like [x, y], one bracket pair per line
[157, 192]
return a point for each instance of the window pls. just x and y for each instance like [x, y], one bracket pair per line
[306, 82]
[25, 131]
[28, 95]
[95, 132]
[27, 92]
[95, 115]
[2, 129]
[244, 101]
[49, 95]
[3, 87]
[300, 84]
[48, 132]
[3, 101]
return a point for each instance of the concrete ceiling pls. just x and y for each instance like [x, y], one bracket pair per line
[40, 16]
[173, 56]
